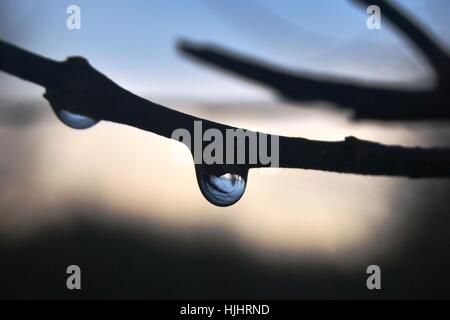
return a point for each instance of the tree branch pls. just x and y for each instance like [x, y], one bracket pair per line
[75, 86]
[366, 102]
[435, 54]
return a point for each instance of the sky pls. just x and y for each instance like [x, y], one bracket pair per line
[133, 172]
[135, 43]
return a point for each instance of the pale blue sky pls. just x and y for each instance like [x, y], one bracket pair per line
[133, 42]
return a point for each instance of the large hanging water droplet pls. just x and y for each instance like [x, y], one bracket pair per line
[75, 121]
[219, 188]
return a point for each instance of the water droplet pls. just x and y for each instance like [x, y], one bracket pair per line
[75, 121]
[219, 188]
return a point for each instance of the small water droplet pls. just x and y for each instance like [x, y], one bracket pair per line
[75, 121]
[219, 188]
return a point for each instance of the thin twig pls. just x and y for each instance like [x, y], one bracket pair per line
[436, 55]
[77, 87]
[366, 102]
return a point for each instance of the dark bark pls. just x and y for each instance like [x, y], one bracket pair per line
[75, 86]
[366, 102]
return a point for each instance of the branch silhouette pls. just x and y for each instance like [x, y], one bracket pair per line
[74, 85]
[433, 52]
[366, 102]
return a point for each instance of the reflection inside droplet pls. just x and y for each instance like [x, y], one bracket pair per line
[221, 189]
[75, 121]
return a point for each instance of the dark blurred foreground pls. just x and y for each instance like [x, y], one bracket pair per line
[125, 261]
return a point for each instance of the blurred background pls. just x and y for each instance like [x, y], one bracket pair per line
[124, 205]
